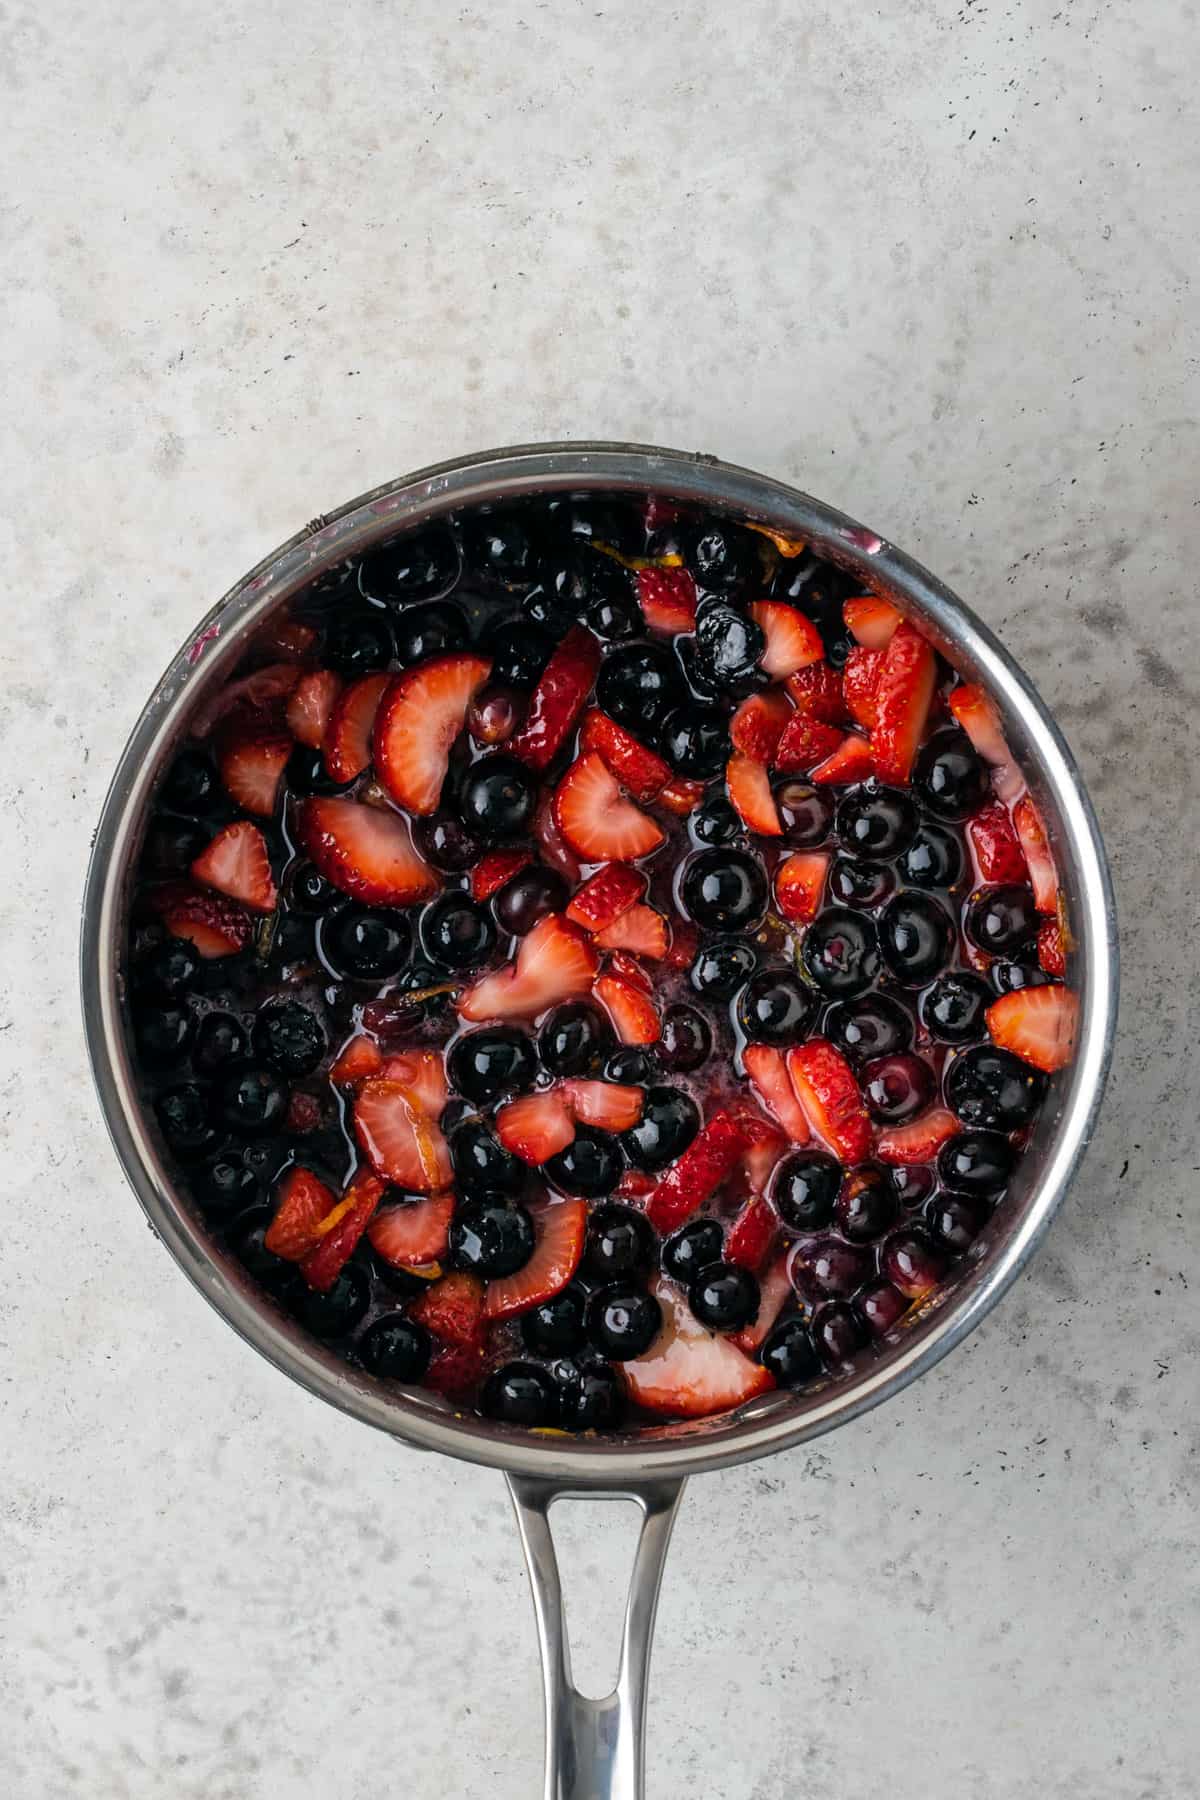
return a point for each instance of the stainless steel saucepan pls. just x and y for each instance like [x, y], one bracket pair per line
[594, 1748]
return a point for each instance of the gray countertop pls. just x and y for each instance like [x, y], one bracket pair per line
[932, 263]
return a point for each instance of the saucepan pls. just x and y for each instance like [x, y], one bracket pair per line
[594, 1748]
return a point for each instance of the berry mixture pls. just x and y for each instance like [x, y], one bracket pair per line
[597, 962]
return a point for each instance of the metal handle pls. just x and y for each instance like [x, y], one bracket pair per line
[595, 1749]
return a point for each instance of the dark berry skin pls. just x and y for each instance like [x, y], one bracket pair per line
[841, 952]
[358, 944]
[952, 1010]
[358, 642]
[170, 968]
[725, 890]
[729, 649]
[916, 938]
[630, 1066]
[834, 1268]
[614, 617]
[333, 1314]
[497, 798]
[492, 1062]
[692, 1248]
[775, 1008]
[503, 542]
[976, 1162]
[574, 1038]
[437, 629]
[519, 1394]
[310, 893]
[590, 1397]
[1002, 920]
[555, 1327]
[491, 1239]
[866, 1206]
[670, 1120]
[854, 883]
[716, 823]
[955, 1221]
[880, 1305]
[622, 1320]
[191, 785]
[163, 1032]
[912, 1262]
[805, 1188]
[722, 967]
[788, 1354]
[528, 898]
[721, 557]
[686, 1040]
[950, 777]
[912, 1184]
[896, 1087]
[934, 859]
[246, 1240]
[875, 823]
[457, 932]
[172, 845]
[289, 1037]
[306, 774]
[695, 740]
[396, 1348]
[724, 1296]
[482, 1166]
[993, 1089]
[519, 651]
[806, 812]
[1013, 978]
[445, 842]
[414, 567]
[226, 1185]
[640, 686]
[589, 1166]
[620, 1242]
[873, 1025]
[838, 1332]
[252, 1101]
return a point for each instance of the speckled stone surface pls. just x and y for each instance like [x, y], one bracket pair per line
[931, 262]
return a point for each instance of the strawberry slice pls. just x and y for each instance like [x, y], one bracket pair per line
[322, 1266]
[903, 696]
[642, 930]
[608, 1105]
[871, 622]
[211, 923]
[494, 868]
[764, 1147]
[251, 765]
[358, 1059]
[537, 1126]
[634, 1184]
[554, 847]
[627, 968]
[366, 851]
[800, 884]
[1051, 954]
[752, 1234]
[668, 599]
[758, 725]
[561, 1232]
[424, 1074]
[452, 1309]
[634, 1016]
[1038, 1024]
[258, 693]
[419, 717]
[236, 863]
[804, 742]
[303, 1203]
[979, 717]
[685, 941]
[681, 796]
[793, 641]
[828, 1092]
[860, 680]
[558, 699]
[774, 1291]
[817, 693]
[998, 854]
[688, 1372]
[348, 736]
[596, 820]
[607, 894]
[555, 962]
[708, 1160]
[1042, 872]
[310, 705]
[402, 1142]
[920, 1140]
[850, 762]
[457, 1370]
[749, 788]
[767, 1069]
[639, 771]
[419, 1232]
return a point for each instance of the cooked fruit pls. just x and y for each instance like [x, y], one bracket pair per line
[236, 863]
[751, 1235]
[903, 695]
[560, 1230]
[607, 894]
[920, 1140]
[827, 1091]
[871, 622]
[251, 763]
[537, 1126]
[558, 699]
[402, 1141]
[357, 1059]
[347, 740]
[979, 717]
[793, 641]
[495, 868]
[800, 884]
[688, 1371]
[213, 924]
[804, 743]
[749, 788]
[641, 930]
[708, 1160]
[758, 725]
[323, 1264]
[668, 600]
[1051, 954]
[310, 704]
[767, 1069]
[998, 853]
[597, 822]
[860, 679]
[1042, 873]
[418, 1232]
[304, 1203]
[608, 1105]
[452, 1309]
[366, 851]
[852, 761]
[1038, 1024]
[634, 1017]
[816, 691]
[419, 717]
[555, 962]
[640, 772]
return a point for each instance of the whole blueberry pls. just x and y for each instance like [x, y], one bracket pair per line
[503, 542]
[866, 1205]
[491, 1239]
[527, 898]
[191, 784]
[338, 1310]
[482, 1166]
[289, 1037]
[976, 1162]
[573, 1038]
[838, 1332]
[841, 952]
[934, 859]
[775, 1007]
[692, 1248]
[788, 1354]
[670, 1120]
[493, 1061]
[950, 776]
[721, 556]
[435, 629]
[519, 651]
[874, 822]
[396, 1348]
[952, 1010]
[805, 1188]
[360, 944]
[620, 1241]
[623, 1320]
[497, 798]
[695, 740]
[1003, 919]
[519, 1394]
[457, 932]
[413, 567]
[872, 1025]
[555, 1327]
[169, 968]
[855, 883]
[729, 649]
[723, 966]
[993, 1089]
[589, 1166]
[639, 686]
[686, 1040]
[163, 1032]
[724, 1296]
[358, 641]
[251, 1100]
[716, 822]
[725, 890]
[590, 1397]
[916, 938]
[805, 811]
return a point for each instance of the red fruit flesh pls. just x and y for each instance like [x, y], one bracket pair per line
[681, 796]
[903, 696]
[828, 1092]
[976, 712]
[537, 1126]
[310, 705]
[998, 854]
[708, 1160]
[419, 717]
[860, 679]
[668, 600]
[419, 1232]
[304, 1202]
[452, 1309]
[775, 1290]
[1038, 1024]
[236, 863]
[555, 962]
[871, 622]
[642, 930]
[607, 894]
[494, 868]
[357, 1060]
[758, 724]
[850, 762]
[561, 1232]
[1051, 954]
[800, 884]
[640, 772]
[793, 641]
[322, 1266]
[365, 851]
[749, 788]
[211, 923]
[752, 1234]
[688, 1371]
[767, 1069]
[597, 822]
[251, 765]
[402, 1142]
[1042, 872]
[634, 1016]
[255, 698]
[558, 699]
[920, 1140]
[608, 1105]
[423, 1073]
[348, 735]
[817, 693]
[804, 741]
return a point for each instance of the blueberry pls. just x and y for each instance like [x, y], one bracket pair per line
[866, 1205]
[1012, 978]
[414, 567]
[834, 1268]
[722, 967]
[952, 1009]
[338, 1311]
[838, 1332]
[841, 952]
[396, 1348]
[639, 686]
[911, 1183]
[1001, 919]
[873, 1025]
[692, 1248]
[916, 938]
[896, 1087]
[445, 842]
[854, 883]
[519, 651]
[358, 642]
[724, 1296]
[172, 846]
[805, 1188]
[163, 1032]
[481, 1163]
[629, 1066]
[993, 1089]
[491, 1239]
[497, 798]
[725, 890]
[686, 1040]
[976, 1162]
[695, 740]
[456, 932]
[879, 1306]
[805, 812]
[620, 1242]
[716, 822]
[622, 1320]
[191, 784]
[555, 1327]
[574, 519]
[875, 823]
[289, 1037]
[722, 556]
[359, 944]
[729, 649]
[251, 1100]
[494, 1061]
[670, 1120]
[590, 1165]
[529, 897]
[774, 1008]
[310, 893]
[170, 968]
[221, 1042]
[270, 1271]
[788, 1354]
[306, 773]
[419, 976]
[502, 542]
[614, 617]
[294, 940]
[436, 629]
[934, 859]
[912, 1262]
[950, 776]
[226, 1185]
[587, 585]
[573, 1038]
[183, 1117]
[519, 1394]
[955, 1221]
[590, 1397]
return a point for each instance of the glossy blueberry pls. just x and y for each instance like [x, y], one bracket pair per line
[912, 1262]
[955, 1221]
[251, 1101]
[866, 1205]
[841, 952]
[934, 859]
[457, 932]
[722, 967]
[873, 1025]
[555, 1327]
[1012, 977]
[396, 1348]
[725, 890]
[358, 642]
[639, 686]
[722, 557]
[880, 1305]
[670, 1120]
[833, 1268]
[491, 1239]
[875, 823]
[952, 1010]
[482, 1166]
[916, 938]
[333, 1314]
[686, 1040]
[493, 1061]
[614, 617]
[519, 1394]
[788, 1354]
[591, 518]
[695, 740]
[590, 1397]
[306, 773]
[775, 1007]
[502, 541]
[631, 1065]
[623, 1320]
[246, 1240]
[445, 841]
[310, 893]
[912, 1183]
[950, 776]
[993, 1089]
[692, 1248]
[976, 1162]
[574, 1038]
[170, 968]
[528, 898]
[163, 1032]
[414, 567]
[289, 1037]
[805, 1188]
[806, 812]
[896, 1087]
[191, 785]
[620, 1241]
[838, 1332]
[589, 1166]
[359, 944]
[717, 823]
[225, 1185]
[519, 651]
[724, 1296]
[221, 1041]
[1002, 920]
[729, 649]
[436, 629]
[855, 883]
[497, 798]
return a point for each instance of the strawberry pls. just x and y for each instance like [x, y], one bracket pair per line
[213, 925]
[1042, 872]
[554, 847]
[774, 1291]
[366, 851]
[303, 1112]
[322, 1266]
[561, 1232]
[310, 705]
[634, 1184]
[608, 1105]
[688, 1371]
[767, 1069]
[251, 765]
[419, 717]
[1051, 954]
[817, 693]
[555, 962]
[668, 599]
[708, 1160]
[642, 930]
[537, 1126]
[1038, 1024]
[681, 796]
[639, 771]
[998, 855]
[357, 1060]
[903, 696]
[348, 735]
[850, 762]
[414, 1233]
[456, 1369]
[452, 1309]
[607, 894]
[979, 717]
[685, 941]
[236, 863]
[920, 1140]
[423, 1073]
[402, 1142]
[303, 1203]
[871, 622]
[765, 1145]
[800, 884]
[805, 742]
[828, 1092]
[627, 968]
[860, 680]
[752, 1234]
[558, 699]
[793, 641]
[260, 693]
[634, 1017]
[494, 868]
[757, 725]
[596, 820]
[749, 788]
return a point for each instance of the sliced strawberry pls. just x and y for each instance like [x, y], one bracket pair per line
[634, 1184]
[749, 788]
[607, 894]
[639, 771]
[260, 693]
[758, 725]
[767, 1069]
[608, 1105]
[211, 923]
[998, 854]
[310, 705]
[365, 851]
[793, 641]
[627, 968]
[871, 622]
[452, 1309]
[804, 742]
[1038, 1024]
[537, 1126]
[642, 930]
[708, 1160]
[236, 863]
[423, 1073]
[765, 1145]
[903, 696]
[668, 600]
[555, 962]
[561, 1232]
[860, 680]
[402, 1142]
[634, 1016]
[494, 868]
[817, 693]
[774, 1291]
[456, 1370]
[1042, 872]
[688, 1372]
[348, 736]
[419, 717]
[685, 941]
[322, 1266]
[920, 1140]
[558, 699]
[358, 1059]
[800, 884]
[303, 1203]
[414, 1233]
[681, 796]
[979, 717]
[303, 1112]
[828, 1092]
[251, 765]
[596, 820]
[752, 1234]
[1051, 954]
[850, 762]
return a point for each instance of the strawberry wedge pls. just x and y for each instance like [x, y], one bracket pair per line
[642, 930]
[304, 1202]
[871, 622]
[998, 853]
[640, 772]
[1036, 846]
[251, 765]
[758, 724]
[903, 696]
[608, 1105]
[634, 1016]
[365, 851]
[817, 693]
[920, 1140]
[402, 1142]
[803, 743]
[774, 1291]
[793, 641]
[668, 600]
[800, 884]
[351, 721]
[767, 1069]
[1038, 1024]
[850, 762]
[826, 1089]
[560, 1232]
[689, 1371]
[977, 713]
[236, 863]
[414, 1234]
[213, 924]
[555, 962]
[607, 894]
[419, 717]
[349, 1219]
[752, 1234]
[749, 788]
[860, 679]
[597, 821]
[494, 868]
[537, 1126]
[310, 705]
[709, 1160]
[558, 699]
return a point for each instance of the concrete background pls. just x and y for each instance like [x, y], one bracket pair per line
[932, 262]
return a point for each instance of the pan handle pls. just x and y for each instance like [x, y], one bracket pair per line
[595, 1749]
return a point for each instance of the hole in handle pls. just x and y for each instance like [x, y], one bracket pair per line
[596, 1543]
